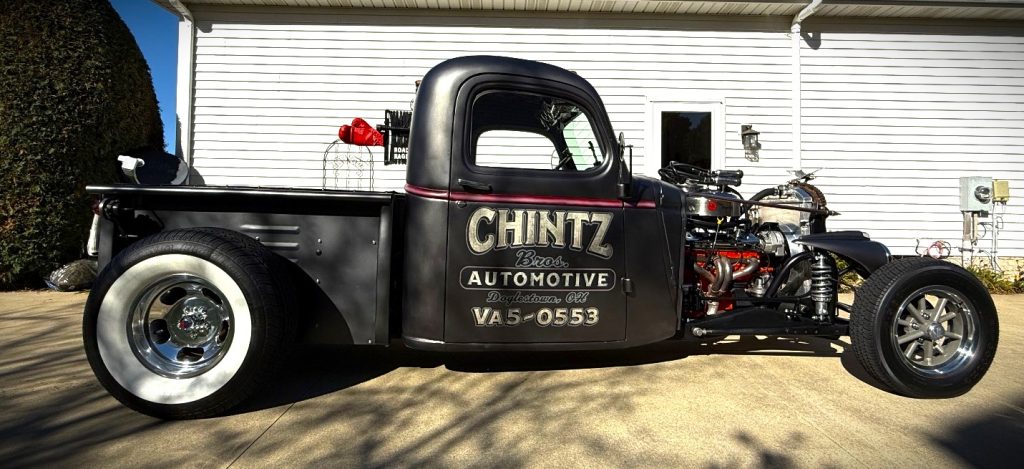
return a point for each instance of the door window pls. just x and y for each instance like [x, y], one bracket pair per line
[515, 129]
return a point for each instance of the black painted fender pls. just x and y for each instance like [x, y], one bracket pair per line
[865, 255]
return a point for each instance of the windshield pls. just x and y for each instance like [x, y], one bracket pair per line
[581, 142]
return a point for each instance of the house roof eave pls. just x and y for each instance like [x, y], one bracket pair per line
[945, 9]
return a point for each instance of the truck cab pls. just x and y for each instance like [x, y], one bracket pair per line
[516, 233]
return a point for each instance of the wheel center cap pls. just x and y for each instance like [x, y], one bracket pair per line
[935, 331]
[193, 325]
[194, 322]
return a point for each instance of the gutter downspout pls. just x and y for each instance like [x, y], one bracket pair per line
[794, 34]
[185, 83]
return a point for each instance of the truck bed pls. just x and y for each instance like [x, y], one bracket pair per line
[341, 243]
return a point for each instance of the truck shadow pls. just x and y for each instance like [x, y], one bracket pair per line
[801, 346]
[316, 371]
[853, 366]
[666, 351]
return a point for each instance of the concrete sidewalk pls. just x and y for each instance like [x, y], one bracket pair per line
[753, 403]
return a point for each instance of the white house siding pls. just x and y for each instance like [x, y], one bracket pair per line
[272, 86]
[894, 120]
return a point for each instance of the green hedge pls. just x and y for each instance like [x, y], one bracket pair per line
[75, 92]
[1007, 283]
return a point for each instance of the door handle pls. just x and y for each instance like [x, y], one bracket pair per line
[474, 185]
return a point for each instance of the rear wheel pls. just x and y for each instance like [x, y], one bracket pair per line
[188, 323]
[924, 328]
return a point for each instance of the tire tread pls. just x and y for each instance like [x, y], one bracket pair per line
[868, 311]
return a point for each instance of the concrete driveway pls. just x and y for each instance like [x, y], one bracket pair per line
[753, 403]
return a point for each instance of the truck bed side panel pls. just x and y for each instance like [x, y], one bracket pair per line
[336, 253]
[335, 245]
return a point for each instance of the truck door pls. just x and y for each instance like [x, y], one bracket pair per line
[535, 231]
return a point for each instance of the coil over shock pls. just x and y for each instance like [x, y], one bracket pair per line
[824, 277]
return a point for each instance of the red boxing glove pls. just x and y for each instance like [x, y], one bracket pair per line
[360, 133]
[345, 133]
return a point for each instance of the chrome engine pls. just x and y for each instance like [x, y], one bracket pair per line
[737, 248]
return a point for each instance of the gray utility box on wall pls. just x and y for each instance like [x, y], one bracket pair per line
[975, 194]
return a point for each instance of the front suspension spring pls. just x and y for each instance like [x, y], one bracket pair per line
[823, 278]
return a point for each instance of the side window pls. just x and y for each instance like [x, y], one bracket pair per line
[514, 129]
[513, 149]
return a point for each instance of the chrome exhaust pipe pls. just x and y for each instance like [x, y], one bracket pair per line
[752, 265]
[721, 280]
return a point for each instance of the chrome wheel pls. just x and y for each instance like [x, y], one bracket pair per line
[180, 326]
[924, 328]
[935, 331]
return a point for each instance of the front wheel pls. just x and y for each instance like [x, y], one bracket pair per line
[924, 328]
[188, 323]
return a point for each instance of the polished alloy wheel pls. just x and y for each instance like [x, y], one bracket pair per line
[180, 326]
[935, 330]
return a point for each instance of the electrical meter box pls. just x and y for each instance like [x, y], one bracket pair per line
[975, 194]
[1001, 191]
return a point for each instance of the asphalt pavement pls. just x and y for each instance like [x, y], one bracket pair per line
[765, 402]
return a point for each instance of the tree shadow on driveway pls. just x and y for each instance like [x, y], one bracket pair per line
[995, 439]
[55, 413]
[503, 408]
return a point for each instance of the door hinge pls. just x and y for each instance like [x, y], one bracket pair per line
[627, 286]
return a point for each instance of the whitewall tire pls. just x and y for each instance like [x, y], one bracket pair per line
[188, 323]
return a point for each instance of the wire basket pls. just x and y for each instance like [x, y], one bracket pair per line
[348, 167]
[396, 136]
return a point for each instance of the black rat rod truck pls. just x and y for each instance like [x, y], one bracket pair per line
[502, 243]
